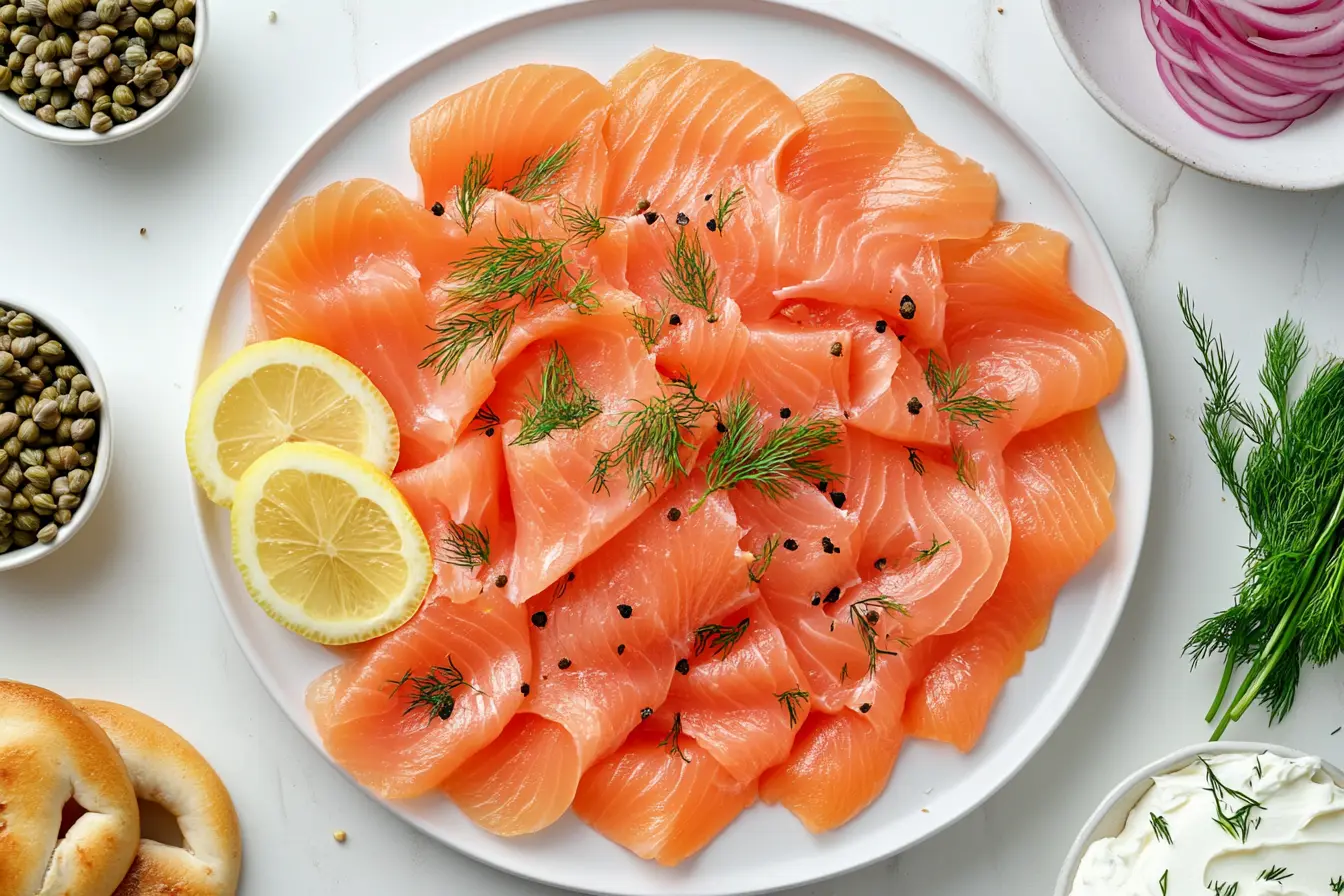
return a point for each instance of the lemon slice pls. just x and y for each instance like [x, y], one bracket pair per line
[283, 391]
[327, 545]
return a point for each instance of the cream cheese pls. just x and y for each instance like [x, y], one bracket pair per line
[1238, 824]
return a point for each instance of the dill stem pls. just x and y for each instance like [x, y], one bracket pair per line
[1286, 630]
[1228, 668]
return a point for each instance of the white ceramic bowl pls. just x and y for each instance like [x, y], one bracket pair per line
[102, 466]
[1104, 43]
[1109, 819]
[10, 111]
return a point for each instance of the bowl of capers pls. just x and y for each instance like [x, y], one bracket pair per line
[55, 435]
[96, 71]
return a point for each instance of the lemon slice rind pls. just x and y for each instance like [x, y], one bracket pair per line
[369, 483]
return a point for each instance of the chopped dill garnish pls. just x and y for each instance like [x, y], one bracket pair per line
[1238, 823]
[1337, 885]
[433, 691]
[673, 740]
[724, 208]
[720, 639]
[558, 403]
[844, 667]
[653, 435]
[967, 473]
[466, 546]
[1222, 889]
[946, 385]
[1162, 882]
[537, 178]
[1288, 483]
[756, 571]
[775, 463]
[791, 700]
[1275, 874]
[691, 277]
[1259, 771]
[1161, 830]
[647, 326]
[583, 224]
[865, 614]
[485, 418]
[926, 554]
[916, 462]
[490, 283]
[471, 193]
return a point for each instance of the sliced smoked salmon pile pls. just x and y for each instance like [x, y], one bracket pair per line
[868, 196]
[1059, 482]
[748, 442]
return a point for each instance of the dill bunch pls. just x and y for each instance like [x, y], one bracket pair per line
[559, 402]
[1282, 460]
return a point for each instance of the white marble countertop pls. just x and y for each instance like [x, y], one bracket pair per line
[127, 613]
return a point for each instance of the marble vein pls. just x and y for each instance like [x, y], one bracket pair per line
[1160, 200]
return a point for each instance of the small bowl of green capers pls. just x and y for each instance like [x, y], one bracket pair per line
[96, 71]
[55, 435]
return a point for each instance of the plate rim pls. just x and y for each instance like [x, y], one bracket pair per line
[1131, 124]
[1136, 367]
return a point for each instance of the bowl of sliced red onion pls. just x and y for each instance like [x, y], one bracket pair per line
[1248, 90]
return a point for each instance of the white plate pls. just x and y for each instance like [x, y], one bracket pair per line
[1104, 44]
[766, 848]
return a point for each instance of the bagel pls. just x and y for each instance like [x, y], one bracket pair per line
[166, 770]
[50, 754]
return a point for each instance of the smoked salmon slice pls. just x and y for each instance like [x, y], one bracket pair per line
[1059, 481]
[606, 645]
[869, 195]
[1013, 319]
[660, 806]
[553, 149]
[396, 747]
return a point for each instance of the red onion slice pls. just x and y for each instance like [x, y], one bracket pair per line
[1159, 35]
[1213, 122]
[1269, 105]
[1284, 24]
[1329, 40]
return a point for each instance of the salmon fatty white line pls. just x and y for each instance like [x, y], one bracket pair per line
[1240, 824]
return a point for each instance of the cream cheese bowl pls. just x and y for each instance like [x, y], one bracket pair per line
[1110, 817]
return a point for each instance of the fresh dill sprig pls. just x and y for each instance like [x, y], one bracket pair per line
[725, 206]
[1162, 882]
[1161, 830]
[946, 384]
[471, 192]
[1237, 823]
[1337, 885]
[1259, 772]
[1282, 460]
[558, 403]
[756, 571]
[916, 462]
[653, 434]
[673, 740]
[865, 615]
[583, 224]
[791, 700]
[485, 418]
[537, 178]
[967, 473]
[775, 463]
[466, 546]
[691, 277]
[720, 639]
[844, 670]
[1224, 889]
[924, 555]
[1275, 874]
[648, 327]
[486, 288]
[433, 690]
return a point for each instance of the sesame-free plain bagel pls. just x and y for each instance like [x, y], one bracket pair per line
[52, 754]
[167, 770]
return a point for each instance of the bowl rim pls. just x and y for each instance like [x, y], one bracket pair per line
[1130, 790]
[20, 557]
[54, 133]
[1131, 124]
